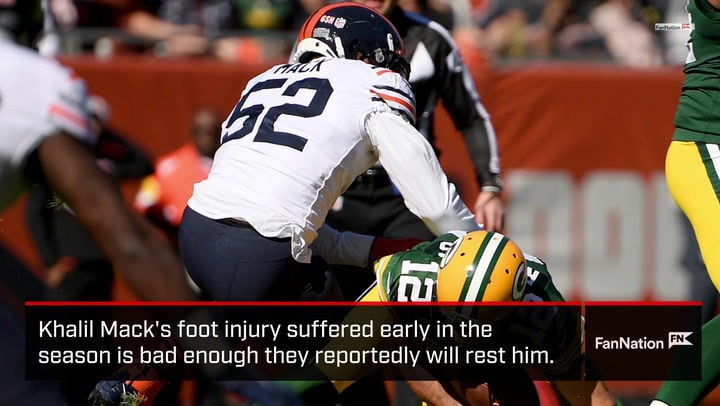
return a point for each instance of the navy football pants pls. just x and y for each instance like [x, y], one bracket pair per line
[235, 263]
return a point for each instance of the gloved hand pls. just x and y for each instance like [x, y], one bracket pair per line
[382, 246]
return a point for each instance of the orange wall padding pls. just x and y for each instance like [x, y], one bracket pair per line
[575, 117]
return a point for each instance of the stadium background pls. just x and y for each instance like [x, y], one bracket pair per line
[582, 150]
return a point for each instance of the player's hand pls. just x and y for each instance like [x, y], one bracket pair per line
[489, 211]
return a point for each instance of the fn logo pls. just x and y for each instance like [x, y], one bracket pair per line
[678, 338]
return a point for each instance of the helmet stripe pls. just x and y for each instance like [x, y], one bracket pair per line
[491, 268]
[480, 280]
[479, 253]
[302, 35]
[484, 266]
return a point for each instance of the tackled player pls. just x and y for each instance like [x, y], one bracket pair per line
[488, 267]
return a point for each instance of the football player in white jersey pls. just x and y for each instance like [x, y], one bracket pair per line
[297, 138]
[300, 134]
[44, 128]
[43, 125]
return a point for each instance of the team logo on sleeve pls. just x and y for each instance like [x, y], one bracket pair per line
[447, 255]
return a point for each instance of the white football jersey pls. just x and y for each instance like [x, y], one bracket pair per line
[38, 97]
[297, 139]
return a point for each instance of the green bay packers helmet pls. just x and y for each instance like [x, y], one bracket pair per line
[481, 266]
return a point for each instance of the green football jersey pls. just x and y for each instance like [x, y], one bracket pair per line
[698, 113]
[411, 276]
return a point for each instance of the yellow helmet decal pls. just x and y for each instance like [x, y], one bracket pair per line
[457, 264]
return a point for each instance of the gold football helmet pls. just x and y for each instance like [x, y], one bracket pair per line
[481, 266]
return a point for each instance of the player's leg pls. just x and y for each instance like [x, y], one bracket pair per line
[689, 393]
[354, 211]
[584, 393]
[701, 287]
[401, 223]
[692, 171]
[18, 284]
[233, 262]
[693, 176]
[228, 261]
[359, 210]
[503, 386]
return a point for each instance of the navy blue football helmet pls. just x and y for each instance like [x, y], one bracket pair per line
[352, 31]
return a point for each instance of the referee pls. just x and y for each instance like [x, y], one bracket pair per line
[372, 205]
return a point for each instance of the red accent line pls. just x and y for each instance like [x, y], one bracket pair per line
[293, 304]
[349, 303]
[519, 304]
[383, 71]
[402, 102]
[63, 112]
[643, 303]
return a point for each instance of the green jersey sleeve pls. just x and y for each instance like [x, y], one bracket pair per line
[698, 113]
[410, 276]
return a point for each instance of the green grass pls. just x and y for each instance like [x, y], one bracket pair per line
[132, 399]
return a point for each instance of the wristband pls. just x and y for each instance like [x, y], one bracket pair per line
[384, 246]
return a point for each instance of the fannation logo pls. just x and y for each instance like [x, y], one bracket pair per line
[628, 343]
[674, 26]
[675, 338]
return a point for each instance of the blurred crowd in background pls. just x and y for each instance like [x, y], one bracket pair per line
[243, 31]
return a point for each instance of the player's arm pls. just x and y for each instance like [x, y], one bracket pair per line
[715, 3]
[358, 315]
[580, 393]
[415, 171]
[342, 248]
[348, 248]
[432, 393]
[145, 261]
[573, 392]
[461, 99]
[127, 159]
[488, 206]
[315, 381]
